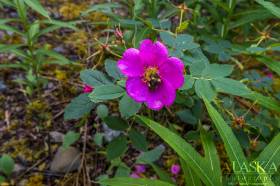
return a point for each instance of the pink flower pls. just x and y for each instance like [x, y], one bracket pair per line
[139, 169]
[87, 89]
[153, 76]
[269, 75]
[175, 169]
[134, 175]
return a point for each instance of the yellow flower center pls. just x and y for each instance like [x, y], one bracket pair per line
[152, 78]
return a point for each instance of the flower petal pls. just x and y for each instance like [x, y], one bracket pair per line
[172, 70]
[164, 95]
[130, 64]
[176, 61]
[137, 89]
[152, 54]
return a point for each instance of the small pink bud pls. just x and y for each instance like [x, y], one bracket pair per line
[87, 89]
[118, 33]
[140, 169]
[134, 175]
[269, 75]
[175, 169]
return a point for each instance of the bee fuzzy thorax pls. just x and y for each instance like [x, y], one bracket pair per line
[152, 78]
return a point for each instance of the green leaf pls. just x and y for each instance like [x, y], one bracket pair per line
[21, 9]
[162, 174]
[219, 47]
[191, 179]
[70, 138]
[270, 7]
[128, 107]
[7, 165]
[102, 111]
[116, 147]
[232, 146]
[53, 55]
[151, 155]
[78, 107]
[33, 31]
[249, 16]
[2, 179]
[270, 156]
[230, 86]
[36, 5]
[62, 24]
[211, 154]
[112, 69]
[268, 102]
[187, 116]
[217, 70]
[122, 171]
[116, 123]
[203, 88]
[98, 139]
[126, 181]
[106, 92]
[270, 63]
[10, 29]
[138, 7]
[184, 150]
[138, 140]
[197, 68]
[93, 78]
[167, 38]
[105, 7]
[188, 83]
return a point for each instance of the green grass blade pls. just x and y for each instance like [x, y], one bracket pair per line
[191, 179]
[184, 150]
[211, 154]
[126, 181]
[231, 143]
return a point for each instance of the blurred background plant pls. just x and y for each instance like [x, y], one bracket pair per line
[29, 54]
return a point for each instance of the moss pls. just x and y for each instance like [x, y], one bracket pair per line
[35, 180]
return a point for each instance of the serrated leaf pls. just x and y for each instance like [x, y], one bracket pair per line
[116, 123]
[138, 140]
[106, 92]
[112, 69]
[188, 82]
[186, 116]
[151, 155]
[93, 77]
[78, 107]
[128, 107]
[203, 88]
[116, 147]
[217, 70]
[197, 68]
[102, 111]
[230, 86]
[70, 138]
